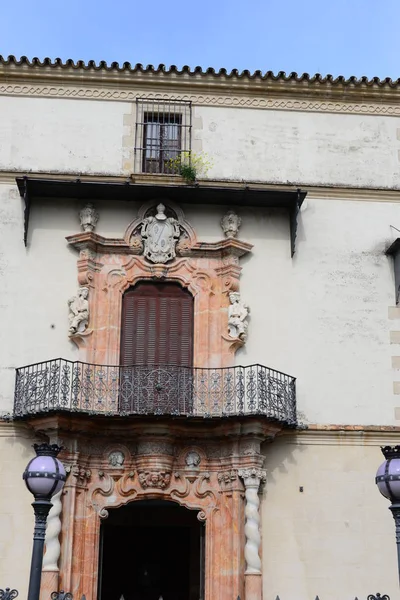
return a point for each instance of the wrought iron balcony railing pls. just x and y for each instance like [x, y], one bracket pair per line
[61, 385]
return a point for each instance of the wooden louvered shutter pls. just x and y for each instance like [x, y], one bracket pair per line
[157, 325]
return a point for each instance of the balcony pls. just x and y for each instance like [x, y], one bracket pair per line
[75, 387]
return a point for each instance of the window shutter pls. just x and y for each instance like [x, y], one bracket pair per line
[157, 325]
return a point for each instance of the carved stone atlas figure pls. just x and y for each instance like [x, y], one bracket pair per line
[78, 311]
[237, 317]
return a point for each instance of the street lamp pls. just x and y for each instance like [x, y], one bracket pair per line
[44, 476]
[388, 481]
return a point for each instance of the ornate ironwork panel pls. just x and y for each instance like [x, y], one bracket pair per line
[61, 385]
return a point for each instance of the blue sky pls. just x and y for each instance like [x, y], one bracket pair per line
[342, 37]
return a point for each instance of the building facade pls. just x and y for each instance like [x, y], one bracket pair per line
[198, 300]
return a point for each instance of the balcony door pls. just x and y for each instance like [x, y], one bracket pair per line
[156, 349]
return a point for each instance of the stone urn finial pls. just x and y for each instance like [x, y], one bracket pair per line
[88, 217]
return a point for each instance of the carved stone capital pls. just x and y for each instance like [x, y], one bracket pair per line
[252, 477]
[79, 473]
[226, 478]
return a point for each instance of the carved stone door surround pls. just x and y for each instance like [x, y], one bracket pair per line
[108, 267]
[208, 467]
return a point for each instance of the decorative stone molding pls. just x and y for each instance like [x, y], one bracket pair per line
[356, 105]
[53, 530]
[87, 254]
[252, 478]
[250, 447]
[89, 217]
[78, 307]
[154, 479]
[155, 448]
[237, 317]
[230, 224]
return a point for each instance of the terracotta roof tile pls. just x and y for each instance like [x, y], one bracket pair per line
[91, 65]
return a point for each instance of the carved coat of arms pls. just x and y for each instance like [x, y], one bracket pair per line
[160, 235]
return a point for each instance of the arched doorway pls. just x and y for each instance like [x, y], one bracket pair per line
[152, 549]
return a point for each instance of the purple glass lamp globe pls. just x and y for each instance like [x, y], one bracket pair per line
[45, 475]
[388, 475]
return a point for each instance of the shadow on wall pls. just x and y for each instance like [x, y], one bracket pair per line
[20, 443]
[278, 454]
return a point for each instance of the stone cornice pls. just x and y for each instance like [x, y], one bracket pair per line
[264, 91]
[343, 435]
[319, 435]
[314, 192]
[16, 430]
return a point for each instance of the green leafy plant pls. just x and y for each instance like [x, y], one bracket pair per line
[190, 165]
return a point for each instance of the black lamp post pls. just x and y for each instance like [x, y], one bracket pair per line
[388, 481]
[44, 476]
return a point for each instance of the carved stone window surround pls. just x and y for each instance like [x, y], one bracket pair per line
[109, 266]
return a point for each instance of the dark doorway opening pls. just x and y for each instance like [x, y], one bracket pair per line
[150, 550]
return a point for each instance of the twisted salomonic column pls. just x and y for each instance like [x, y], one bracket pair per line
[252, 479]
[50, 571]
[50, 559]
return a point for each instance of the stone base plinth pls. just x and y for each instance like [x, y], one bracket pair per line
[253, 586]
[49, 584]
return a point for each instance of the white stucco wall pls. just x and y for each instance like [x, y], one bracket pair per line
[61, 136]
[301, 147]
[16, 513]
[93, 137]
[321, 317]
[336, 538]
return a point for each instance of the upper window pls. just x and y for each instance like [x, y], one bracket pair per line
[163, 133]
[157, 325]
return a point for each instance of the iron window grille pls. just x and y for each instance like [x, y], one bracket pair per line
[163, 134]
